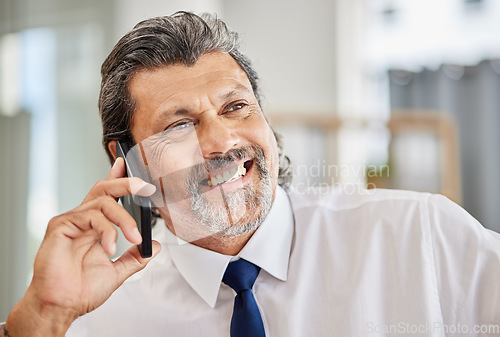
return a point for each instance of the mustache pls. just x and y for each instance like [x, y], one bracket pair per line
[200, 172]
[228, 158]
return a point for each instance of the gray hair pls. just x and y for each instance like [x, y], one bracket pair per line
[177, 39]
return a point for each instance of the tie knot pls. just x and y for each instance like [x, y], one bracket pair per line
[240, 275]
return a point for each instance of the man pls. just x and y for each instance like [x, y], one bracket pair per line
[339, 264]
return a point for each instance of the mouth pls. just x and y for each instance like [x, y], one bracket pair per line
[228, 174]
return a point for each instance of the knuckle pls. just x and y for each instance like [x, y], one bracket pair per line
[100, 184]
[106, 200]
[94, 213]
[113, 233]
[58, 220]
[58, 223]
[53, 222]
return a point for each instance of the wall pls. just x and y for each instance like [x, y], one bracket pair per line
[14, 137]
[127, 13]
[292, 45]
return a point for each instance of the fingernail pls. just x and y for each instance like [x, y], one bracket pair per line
[142, 188]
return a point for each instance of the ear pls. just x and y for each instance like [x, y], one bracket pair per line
[112, 148]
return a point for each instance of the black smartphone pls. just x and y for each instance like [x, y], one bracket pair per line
[138, 207]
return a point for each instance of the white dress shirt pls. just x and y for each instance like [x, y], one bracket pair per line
[370, 263]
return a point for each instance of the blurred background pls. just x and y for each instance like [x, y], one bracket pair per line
[379, 93]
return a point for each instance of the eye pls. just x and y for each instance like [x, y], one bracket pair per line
[177, 126]
[236, 106]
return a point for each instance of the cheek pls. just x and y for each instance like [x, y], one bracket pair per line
[180, 160]
[273, 155]
[176, 158]
[263, 136]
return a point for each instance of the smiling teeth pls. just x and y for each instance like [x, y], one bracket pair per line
[228, 176]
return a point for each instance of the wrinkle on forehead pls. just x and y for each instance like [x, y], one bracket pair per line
[214, 66]
[216, 87]
[209, 69]
[155, 82]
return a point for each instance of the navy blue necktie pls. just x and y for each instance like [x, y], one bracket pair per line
[246, 322]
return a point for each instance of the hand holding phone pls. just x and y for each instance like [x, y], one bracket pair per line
[138, 207]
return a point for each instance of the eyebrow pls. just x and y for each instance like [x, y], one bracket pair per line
[181, 112]
[237, 89]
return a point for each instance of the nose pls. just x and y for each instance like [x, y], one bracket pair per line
[216, 137]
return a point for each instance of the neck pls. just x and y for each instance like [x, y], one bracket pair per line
[220, 243]
[223, 244]
[227, 245]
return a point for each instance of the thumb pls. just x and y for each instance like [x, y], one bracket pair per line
[131, 262]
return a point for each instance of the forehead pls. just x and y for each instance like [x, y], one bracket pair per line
[210, 74]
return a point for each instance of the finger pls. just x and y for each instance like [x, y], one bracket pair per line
[118, 169]
[107, 232]
[121, 218]
[108, 207]
[131, 262]
[72, 224]
[119, 187]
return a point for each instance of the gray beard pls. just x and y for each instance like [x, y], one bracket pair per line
[257, 200]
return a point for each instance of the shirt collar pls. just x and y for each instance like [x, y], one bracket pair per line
[268, 248]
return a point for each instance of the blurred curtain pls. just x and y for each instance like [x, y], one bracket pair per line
[14, 154]
[470, 95]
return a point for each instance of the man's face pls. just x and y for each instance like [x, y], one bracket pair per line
[208, 145]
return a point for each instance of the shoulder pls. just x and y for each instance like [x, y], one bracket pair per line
[433, 214]
[399, 209]
[354, 215]
[352, 197]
